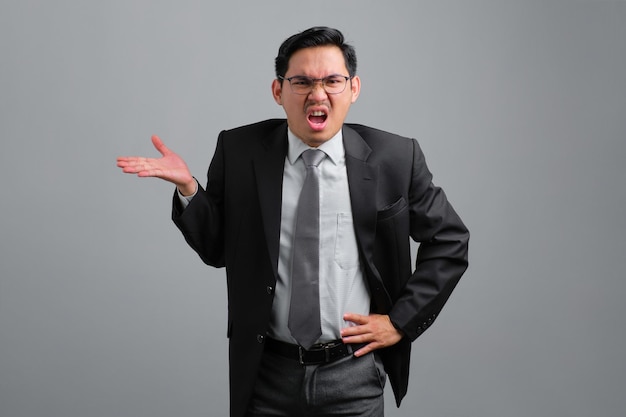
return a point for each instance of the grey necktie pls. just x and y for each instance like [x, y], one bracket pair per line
[304, 312]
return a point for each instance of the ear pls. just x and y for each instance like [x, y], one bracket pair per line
[277, 91]
[355, 84]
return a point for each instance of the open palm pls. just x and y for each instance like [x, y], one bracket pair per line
[170, 167]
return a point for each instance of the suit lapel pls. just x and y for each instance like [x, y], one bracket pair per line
[362, 181]
[268, 167]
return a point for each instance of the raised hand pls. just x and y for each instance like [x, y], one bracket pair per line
[170, 167]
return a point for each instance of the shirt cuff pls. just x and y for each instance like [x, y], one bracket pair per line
[185, 200]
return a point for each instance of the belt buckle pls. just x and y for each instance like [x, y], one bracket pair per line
[327, 348]
[301, 355]
[322, 347]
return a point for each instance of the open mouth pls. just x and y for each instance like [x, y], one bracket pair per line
[317, 119]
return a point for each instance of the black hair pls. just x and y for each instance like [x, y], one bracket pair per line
[315, 36]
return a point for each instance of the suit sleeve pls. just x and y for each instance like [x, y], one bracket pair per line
[202, 221]
[442, 255]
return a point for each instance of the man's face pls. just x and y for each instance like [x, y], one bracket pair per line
[318, 116]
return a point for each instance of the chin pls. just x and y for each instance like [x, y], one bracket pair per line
[318, 138]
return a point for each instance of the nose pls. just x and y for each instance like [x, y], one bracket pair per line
[317, 90]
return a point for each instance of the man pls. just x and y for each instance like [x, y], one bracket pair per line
[373, 192]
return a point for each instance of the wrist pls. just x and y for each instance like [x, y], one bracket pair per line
[188, 188]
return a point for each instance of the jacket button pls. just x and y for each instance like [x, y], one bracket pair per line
[260, 338]
[270, 289]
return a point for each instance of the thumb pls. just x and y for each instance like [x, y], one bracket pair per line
[160, 146]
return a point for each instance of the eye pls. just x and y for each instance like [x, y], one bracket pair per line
[334, 80]
[300, 81]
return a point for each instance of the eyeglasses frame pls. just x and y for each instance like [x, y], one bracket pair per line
[315, 81]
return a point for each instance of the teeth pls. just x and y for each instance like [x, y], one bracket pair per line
[318, 113]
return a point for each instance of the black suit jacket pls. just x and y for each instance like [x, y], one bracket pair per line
[236, 223]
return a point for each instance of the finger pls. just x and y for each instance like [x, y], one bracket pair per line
[159, 145]
[123, 161]
[131, 166]
[356, 318]
[127, 161]
[138, 165]
[370, 347]
[141, 171]
[150, 173]
[358, 339]
[349, 332]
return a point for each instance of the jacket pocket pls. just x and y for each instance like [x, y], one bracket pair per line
[392, 209]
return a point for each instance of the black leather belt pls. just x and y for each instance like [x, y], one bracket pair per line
[317, 354]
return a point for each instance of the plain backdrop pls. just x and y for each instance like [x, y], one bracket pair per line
[520, 107]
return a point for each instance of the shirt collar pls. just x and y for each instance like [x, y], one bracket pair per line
[333, 147]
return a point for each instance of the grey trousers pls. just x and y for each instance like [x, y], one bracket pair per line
[348, 387]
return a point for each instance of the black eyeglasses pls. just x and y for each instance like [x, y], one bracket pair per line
[333, 84]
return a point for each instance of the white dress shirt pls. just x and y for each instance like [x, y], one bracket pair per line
[342, 283]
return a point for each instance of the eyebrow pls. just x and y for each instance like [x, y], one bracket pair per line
[317, 78]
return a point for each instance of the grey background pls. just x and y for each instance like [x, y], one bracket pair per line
[520, 109]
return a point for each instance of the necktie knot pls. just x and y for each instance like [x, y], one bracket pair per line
[312, 157]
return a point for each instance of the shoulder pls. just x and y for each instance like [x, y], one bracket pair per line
[259, 128]
[375, 136]
[368, 132]
[378, 140]
[250, 140]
